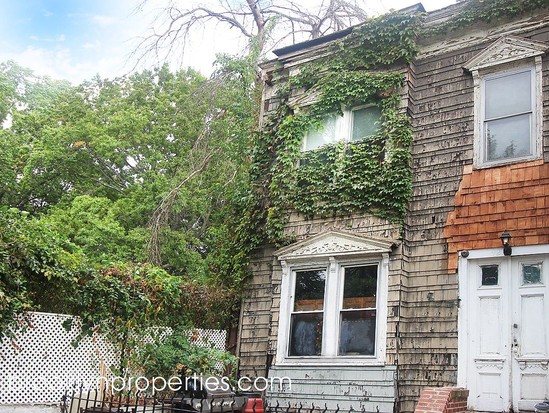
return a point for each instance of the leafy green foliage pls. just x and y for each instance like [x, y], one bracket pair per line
[481, 11]
[93, 223]
[178, 354]
[37, 267]
[92, 163]
[373, 175]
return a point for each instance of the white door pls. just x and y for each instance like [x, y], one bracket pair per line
[508, 325]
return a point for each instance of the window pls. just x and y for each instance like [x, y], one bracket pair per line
[507, 78]
[354, 125]
[507, 116]
[333, 300]
[333, 313]
[357, 329]
[306, 319]
[353, 311]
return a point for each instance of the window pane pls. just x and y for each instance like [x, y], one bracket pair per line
[365, 122]
[360, 286]
[531, 274]
[306, 334]
[508, 138]
[309, 290]
[357, 333]
[490, 275]
[508, 95]
[325, 134]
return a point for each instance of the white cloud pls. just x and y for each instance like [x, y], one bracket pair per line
[58, 38]
[91, 45]
[59, 63]
[102, 20]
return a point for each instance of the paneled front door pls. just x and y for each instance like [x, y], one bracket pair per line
[507, 332]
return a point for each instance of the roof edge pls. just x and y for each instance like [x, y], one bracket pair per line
[416, 8]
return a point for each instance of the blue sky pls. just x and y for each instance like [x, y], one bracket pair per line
[77, 39]
[70, 39]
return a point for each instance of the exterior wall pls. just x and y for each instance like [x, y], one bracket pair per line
[490, 201]
[442, 121]
[453, 207]
[450, 201]
[257, 316]
[357, 388]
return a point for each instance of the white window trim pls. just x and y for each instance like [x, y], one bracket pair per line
[343, 128]
[332, 303]
[479, 78]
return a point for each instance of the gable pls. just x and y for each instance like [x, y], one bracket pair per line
[506, 49]
[334, 243]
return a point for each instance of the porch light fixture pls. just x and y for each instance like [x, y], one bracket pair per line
[506, 242]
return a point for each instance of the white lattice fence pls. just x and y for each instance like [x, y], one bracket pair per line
[42, 362]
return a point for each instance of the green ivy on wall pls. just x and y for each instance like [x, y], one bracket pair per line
[484, 11]
[372, 175]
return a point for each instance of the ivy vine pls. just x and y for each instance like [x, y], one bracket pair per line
[370, 176]
[484, 11]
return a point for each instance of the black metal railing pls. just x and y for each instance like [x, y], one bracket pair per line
[84, 400]
[80, 399]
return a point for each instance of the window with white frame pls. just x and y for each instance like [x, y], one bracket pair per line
[353, 125]
[507, 115]
[333, 311]
[508, 108]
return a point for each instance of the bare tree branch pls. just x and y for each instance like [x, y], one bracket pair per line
[161, 213]
[173, 26]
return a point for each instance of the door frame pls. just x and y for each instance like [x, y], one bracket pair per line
[464, 298]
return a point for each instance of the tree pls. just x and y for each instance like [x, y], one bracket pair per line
[264, 23]
[37, 267]
[105, 159]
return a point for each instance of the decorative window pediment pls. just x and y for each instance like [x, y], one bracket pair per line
[505, 50]
[507, 79]
[333, 300]
[334, 244]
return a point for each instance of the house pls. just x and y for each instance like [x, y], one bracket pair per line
[399, 157]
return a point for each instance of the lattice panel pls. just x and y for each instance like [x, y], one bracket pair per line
[209, 338]
[43, 363]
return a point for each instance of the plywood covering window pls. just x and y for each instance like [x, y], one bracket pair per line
[353, 125]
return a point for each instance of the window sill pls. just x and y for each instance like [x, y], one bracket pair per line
[504, 162]
[331, 361]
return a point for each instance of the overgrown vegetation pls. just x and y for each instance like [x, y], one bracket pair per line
[83, 171]
[136, 201]
[481, 11]
[178, 355]
[372, 175]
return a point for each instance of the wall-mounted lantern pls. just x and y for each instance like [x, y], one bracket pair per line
[506, 242]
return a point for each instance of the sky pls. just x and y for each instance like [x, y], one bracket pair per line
[78, 39]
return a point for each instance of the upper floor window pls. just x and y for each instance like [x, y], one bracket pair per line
[507, 79]
[354, 125]
[508, 124]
